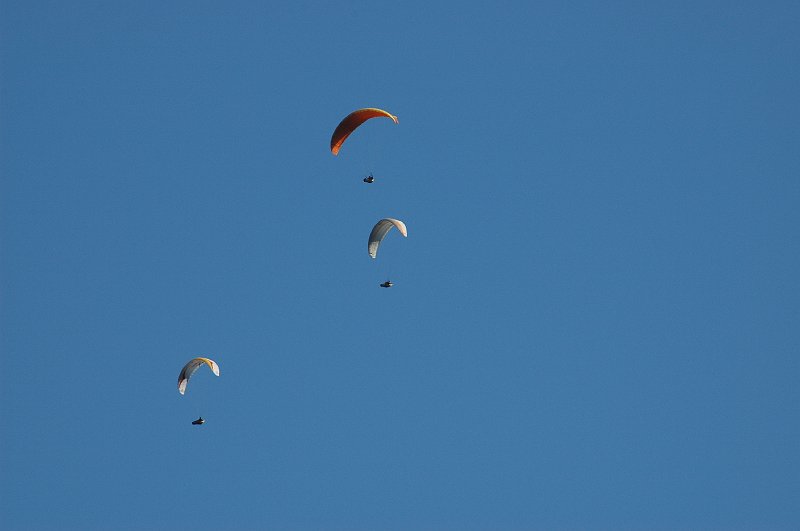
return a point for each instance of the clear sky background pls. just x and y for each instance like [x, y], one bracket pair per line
[596, 317]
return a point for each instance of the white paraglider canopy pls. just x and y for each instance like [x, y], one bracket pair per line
[190, 368]
[380, 230]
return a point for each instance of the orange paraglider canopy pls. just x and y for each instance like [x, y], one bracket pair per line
[351, 122]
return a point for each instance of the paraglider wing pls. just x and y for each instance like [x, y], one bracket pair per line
[351, 122]
[379, 231]
[190, 368]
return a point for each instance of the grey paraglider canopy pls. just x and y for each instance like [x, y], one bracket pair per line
[380, 230]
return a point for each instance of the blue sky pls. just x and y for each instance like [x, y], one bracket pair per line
[596, 317]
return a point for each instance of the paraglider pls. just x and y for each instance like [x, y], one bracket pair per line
[190, 368]
[369, 179]
[380, 230]
[351, 122]
[387, 284]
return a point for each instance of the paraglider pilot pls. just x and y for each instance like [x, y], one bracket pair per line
[369, 179]
[387, 284]
[198, 422]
